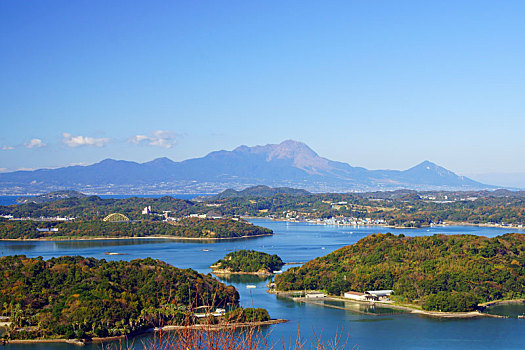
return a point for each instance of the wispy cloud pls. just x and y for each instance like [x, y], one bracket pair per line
[160, 138]
[35, 143]
[7, 148]
[78, 141]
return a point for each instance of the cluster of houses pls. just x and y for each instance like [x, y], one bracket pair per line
[353, 221]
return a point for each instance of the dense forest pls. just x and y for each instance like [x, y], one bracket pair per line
[188, 228]
[76, 297]
[249, 261]
[440, 272]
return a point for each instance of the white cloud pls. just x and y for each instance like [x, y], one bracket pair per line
[77, 141]
[7, 148]
[138, 138]
[160, 138]
[35, 143]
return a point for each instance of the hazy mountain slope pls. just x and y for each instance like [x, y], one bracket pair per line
[288, 164]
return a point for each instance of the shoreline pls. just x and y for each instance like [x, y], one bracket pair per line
[204, 327]
[447, 223]
[98, 238]
[408, 309]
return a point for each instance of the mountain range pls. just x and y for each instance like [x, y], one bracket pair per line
[288, 164]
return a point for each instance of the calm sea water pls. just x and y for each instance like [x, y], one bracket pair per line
[300, 242]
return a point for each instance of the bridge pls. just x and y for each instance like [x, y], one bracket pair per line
[116, 217]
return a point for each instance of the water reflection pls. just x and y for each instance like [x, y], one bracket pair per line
[362, 308]
[82, 244]
[246, 279]
[511, 310]
[19, 246]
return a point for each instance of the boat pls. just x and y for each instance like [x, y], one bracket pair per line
[251, 286]
[521, 316]
[205, 250]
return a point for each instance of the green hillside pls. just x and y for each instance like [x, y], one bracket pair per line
[76, 297]
[440, 272]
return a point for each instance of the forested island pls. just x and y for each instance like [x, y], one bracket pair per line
[190, 228]
[77, 297]
[450, 273]
[248, 262]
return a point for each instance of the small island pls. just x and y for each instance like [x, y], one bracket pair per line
[67, 298]
[433, 274]
[248, 262]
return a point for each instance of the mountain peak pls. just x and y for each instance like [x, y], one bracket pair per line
[428, 165]
[162, 161]
[292, 150]
[289, 149]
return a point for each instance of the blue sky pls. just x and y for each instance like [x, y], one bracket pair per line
[379, 84]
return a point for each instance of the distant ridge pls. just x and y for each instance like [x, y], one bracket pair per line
[287, 164]
[260, 191]
[50, 197]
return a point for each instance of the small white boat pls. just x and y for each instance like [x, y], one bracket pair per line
[251, 286]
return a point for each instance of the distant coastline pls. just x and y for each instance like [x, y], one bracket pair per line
[318, 222]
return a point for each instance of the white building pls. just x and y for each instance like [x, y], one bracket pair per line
[355, 295]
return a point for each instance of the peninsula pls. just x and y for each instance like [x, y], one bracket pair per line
[190, 228]
[448, 273]
[84, 298]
